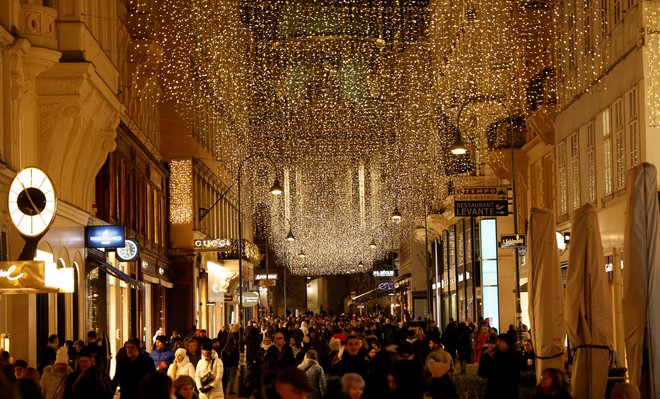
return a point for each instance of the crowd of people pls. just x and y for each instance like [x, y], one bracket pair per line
[311, 356]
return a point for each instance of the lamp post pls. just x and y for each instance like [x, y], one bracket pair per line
[396, 218]
[276, 189]
[458, 148]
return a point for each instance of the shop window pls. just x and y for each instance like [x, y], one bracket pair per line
[489, 271]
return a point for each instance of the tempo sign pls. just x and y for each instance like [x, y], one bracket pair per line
[213, 244]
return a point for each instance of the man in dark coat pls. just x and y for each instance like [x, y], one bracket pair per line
[352, 360]
[130, 370]
[252, 341]
[281, 351]
[500, 364]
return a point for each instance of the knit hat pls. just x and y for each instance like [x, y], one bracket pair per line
[162, 339]
[182, 352]
[206, 346]
[62, 356]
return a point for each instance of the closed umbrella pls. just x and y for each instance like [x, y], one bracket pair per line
[546, 292]
[641, 280]
[587, 309]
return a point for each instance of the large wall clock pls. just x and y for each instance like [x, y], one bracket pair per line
[32, 202]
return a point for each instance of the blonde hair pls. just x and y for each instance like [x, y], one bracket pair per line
[351, 380]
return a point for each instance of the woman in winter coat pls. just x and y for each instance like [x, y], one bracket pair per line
[210, 365]
[181, 365]
[54, 376]
[315, 375]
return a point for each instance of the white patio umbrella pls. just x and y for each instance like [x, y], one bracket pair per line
[587, 309]
[546, 292]
[641, 280]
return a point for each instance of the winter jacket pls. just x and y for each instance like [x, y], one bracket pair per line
[316, 377]
[27, 389]
[52, 383]
[215, 367]
[183, 367]
[129, 373]
[165, 354]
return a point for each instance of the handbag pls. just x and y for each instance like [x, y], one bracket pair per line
[208, 377]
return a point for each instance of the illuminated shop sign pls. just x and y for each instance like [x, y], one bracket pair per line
[264, 276]
[104, 237]
[213, 244]
[387, 286]
[22, 276]
[384, 273]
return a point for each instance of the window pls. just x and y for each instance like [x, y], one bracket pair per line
[572, 45]
[561, 163]
[603, 18]
[617, 12]
[633, 134]
[588, 48]
[607, 151]
[591, 161]
[619, 145]
[575, 169]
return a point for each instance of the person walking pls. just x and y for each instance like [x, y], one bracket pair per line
[181, 365]
[163, 355]
[54, 376]
[131, 368]
[315, 375]
[208, 375]
[27, 387]
[230, 357]
[500, 364]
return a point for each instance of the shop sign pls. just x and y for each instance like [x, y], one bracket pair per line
[104, 237]
[216, 244]
[129, 252]
[384, 273]
[267, 283]
[387, 286]
[481, 201]
[250, 299]
[513, 241]
[264, 276]
[22, 276]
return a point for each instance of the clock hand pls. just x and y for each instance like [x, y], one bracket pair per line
[31, 202]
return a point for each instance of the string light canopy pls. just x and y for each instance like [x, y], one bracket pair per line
[352, 99]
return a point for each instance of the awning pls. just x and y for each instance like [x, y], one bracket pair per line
[113, 271]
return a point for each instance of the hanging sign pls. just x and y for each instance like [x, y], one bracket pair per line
[513, 241]
[104, 237]
[216, 244]
[481, 201]
[384, 273]
[22, 277]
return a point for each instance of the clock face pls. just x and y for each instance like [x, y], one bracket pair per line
[129, 251]
[32, 202]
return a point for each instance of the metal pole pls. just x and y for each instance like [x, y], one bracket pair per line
[285, 292]
[240, 255]
[429, 299]
[515, 229]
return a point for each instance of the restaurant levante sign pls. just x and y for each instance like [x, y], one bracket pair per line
[23, 277]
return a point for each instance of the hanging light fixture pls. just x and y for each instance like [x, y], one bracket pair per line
[301, 254]
[276, 189]
[290, 237]
[372, 244]
[396, 215]
[360, 265]
[458, 147]
[305, 268]
[352, 270]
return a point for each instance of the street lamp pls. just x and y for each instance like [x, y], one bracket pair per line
[459, 148]
[276, 189]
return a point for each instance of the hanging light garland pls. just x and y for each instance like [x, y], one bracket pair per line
[353, 100]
